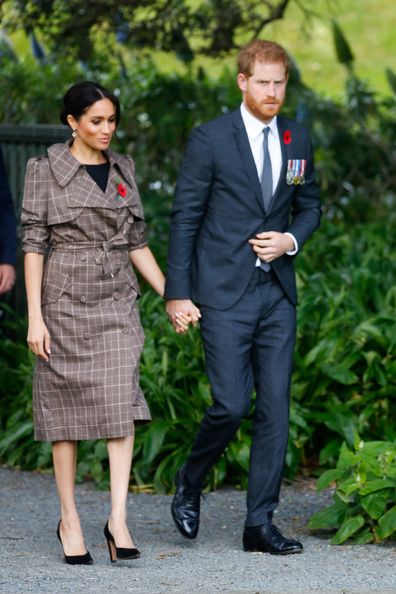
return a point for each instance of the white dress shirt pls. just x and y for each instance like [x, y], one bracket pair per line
[254, 129]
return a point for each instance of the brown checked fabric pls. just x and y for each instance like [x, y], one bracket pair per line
[90, 387]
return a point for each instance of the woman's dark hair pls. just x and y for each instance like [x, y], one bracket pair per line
[79, 98]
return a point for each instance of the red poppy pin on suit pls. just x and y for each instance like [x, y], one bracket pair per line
[287, 137]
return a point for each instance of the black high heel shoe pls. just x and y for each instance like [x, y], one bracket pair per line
[85, 559]
[118, 552]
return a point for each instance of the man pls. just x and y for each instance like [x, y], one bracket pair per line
[246, 201]
[7, 233]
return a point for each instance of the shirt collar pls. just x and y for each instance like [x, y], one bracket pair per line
[254, 126]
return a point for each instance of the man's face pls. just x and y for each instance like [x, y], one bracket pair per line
[265, 90]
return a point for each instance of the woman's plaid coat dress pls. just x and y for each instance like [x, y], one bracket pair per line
[89, 389]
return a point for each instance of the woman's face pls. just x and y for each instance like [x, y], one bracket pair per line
[96, 126]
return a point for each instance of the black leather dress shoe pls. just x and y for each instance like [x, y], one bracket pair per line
[268, 539]
[185, 507]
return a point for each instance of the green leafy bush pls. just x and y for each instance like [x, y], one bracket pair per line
[364, 508]
[344, 380]
[345, 363]
[17, 447]
[354, 139]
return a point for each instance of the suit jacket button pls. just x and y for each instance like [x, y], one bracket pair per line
[125, 330]
[83, 257]
[116, 296]
[86, 335]
[130, 219]
[83, 299]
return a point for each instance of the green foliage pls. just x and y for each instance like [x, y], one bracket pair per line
[185, 28]
[344, 380]
[345, 363]
[16, 424]
[364, 508]
[354, 143]
[33, 94]
[343, 50]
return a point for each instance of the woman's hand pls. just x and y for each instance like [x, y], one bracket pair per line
[181, 313]
[38, 338]
[181, 323]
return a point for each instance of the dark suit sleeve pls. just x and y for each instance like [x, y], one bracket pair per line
[8, 238]
[189, 207]
[306, 209]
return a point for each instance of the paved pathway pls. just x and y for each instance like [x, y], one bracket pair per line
[31, 558]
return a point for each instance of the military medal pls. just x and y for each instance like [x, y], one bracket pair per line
[295, 172]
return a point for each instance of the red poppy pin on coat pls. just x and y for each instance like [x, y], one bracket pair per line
[121, 189]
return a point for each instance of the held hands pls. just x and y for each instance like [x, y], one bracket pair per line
[270, 245]
[38, 339]
[182, 313]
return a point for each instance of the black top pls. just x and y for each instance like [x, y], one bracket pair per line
[99, 173]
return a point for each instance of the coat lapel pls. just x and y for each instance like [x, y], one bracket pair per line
[120, 173]
[82, 191]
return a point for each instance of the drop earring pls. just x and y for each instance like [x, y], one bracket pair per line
[74, 133]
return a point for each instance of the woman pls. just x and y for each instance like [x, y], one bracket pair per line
[82, 202]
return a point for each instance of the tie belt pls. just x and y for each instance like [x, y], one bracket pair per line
[107, 253]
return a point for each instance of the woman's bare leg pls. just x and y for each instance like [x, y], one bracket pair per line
[120, 458]
[64, 454]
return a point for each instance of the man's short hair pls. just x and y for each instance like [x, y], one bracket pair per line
[261, 51]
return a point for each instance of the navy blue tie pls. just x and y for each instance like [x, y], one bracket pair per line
[266, 176]
[266, 183]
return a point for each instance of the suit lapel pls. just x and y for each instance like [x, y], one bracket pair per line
[242, 141]
[281, 130]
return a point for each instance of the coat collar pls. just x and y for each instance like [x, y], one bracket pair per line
[64, 166]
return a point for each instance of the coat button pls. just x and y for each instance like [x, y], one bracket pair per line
[86, 335]
[83, 257]
[83, 299]
[116, 296]
[130, 219]
[125, 330]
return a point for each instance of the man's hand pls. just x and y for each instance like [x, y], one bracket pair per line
[182, 312]
[7, 277]
[271, 245]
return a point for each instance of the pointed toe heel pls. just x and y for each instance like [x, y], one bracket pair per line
[119, 553]
[85, 559]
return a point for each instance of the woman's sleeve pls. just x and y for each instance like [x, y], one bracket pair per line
[35, 207]
[137, 237]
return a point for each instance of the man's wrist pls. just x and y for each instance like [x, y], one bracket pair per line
[293, 251]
